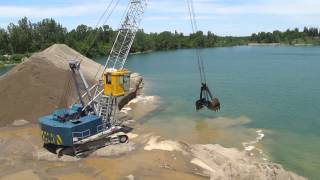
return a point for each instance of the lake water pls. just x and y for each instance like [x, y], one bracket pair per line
[276, 88]
[3, 70]
[273, 89]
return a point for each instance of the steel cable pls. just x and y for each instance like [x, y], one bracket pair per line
[67, 86]
[194, 26]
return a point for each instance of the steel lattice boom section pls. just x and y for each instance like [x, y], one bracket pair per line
[126, 35]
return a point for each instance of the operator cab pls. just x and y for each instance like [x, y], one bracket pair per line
[116, 82]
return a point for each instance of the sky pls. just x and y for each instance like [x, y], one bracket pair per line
[222, 17]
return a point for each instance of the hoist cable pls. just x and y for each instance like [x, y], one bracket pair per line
[120, 24]
[105, 22]
[194, 26]
[198, 51]
[67, 86]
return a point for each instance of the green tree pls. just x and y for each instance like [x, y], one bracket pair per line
[165, 40]
[198, 39]
[141, 42]
[46, 33]
[4, 42]
[20, 36]
[211, 39]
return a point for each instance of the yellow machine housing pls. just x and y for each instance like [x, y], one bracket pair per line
[116, 82]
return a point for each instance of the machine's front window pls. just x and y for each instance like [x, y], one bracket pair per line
[121, 80]
[126, 82]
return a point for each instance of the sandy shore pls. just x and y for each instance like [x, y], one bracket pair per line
[146, 156]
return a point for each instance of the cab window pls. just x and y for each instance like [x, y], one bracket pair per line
[126, 82]
[121, 80]
[108, 78]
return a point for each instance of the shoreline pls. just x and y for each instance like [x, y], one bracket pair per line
[143, 52]
[151, 51]
[264, 44]
[282, 44]
[8, 65]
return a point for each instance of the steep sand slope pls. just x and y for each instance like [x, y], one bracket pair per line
[35, 87]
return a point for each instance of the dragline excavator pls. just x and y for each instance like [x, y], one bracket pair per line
[92, 123]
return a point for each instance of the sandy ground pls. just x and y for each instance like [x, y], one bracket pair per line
[146, 156]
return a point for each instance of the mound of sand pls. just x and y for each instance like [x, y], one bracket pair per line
[35, 87]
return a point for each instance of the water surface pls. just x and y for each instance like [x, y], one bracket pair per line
[5, 69]
[275, 88]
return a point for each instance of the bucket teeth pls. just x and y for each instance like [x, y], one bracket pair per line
[213, 105]
[200, 104]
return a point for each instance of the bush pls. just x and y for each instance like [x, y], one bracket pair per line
[3, 58]
[18, 57]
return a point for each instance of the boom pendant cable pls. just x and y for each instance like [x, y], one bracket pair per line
[206, 97]
[106, 13]
[105, 16]
[99, 69]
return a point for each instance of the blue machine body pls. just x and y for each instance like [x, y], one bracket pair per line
[65, 127]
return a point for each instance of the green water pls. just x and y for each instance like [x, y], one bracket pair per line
[276, 88]
[3, 70]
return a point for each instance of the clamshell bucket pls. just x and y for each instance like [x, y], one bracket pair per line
[214, 104]
[207, 100]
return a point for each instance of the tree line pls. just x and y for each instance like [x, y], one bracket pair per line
[26, 37]
[309, 35]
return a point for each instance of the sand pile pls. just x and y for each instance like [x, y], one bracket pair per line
[35, 87]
